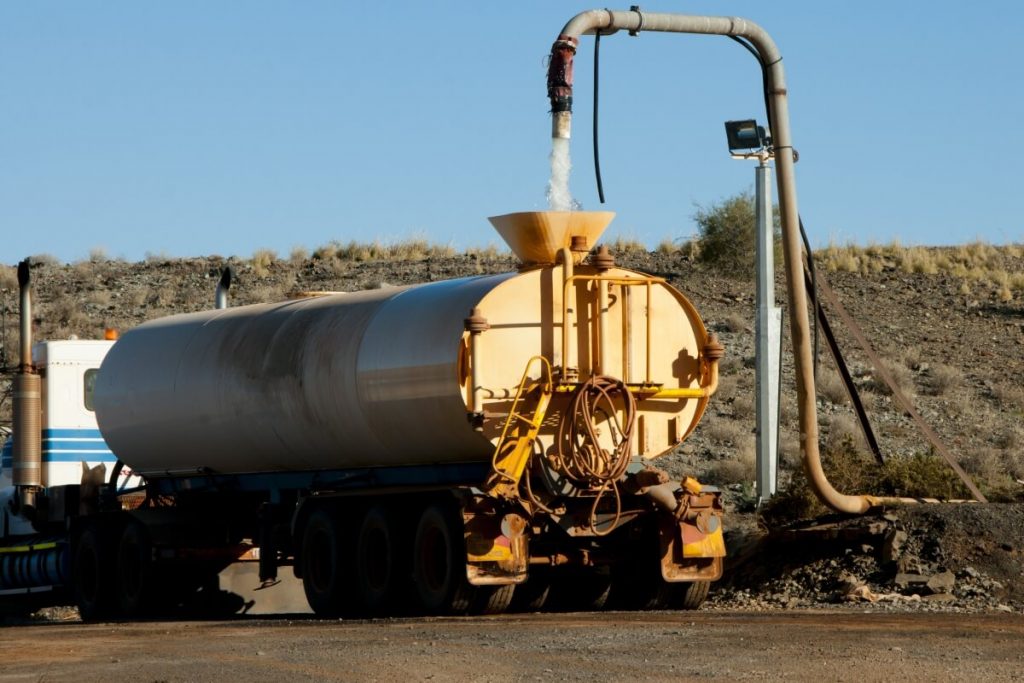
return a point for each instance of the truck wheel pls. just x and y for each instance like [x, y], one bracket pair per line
[323, 565]
[377, 561]
[92, 574]
[135, 580]
[693, 594]
[439, 563]
[492, 599]
[532, 595]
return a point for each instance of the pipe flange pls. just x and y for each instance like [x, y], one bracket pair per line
[578, 243]
[603, 259]
[476, 322]
[713, 349]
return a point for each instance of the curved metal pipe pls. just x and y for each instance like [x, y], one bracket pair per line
[560, 93]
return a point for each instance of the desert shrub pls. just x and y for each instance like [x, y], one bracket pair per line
[831, 388]
[728, 235]
[851, 471]
[919, 476]
[667, 247]
[98, 255]
[744, 406]
[627, 245]
[735, 323]
[9, 278]
[900, 374]
[726, 432]
[262, 259]
[44, 260]
[942, 378]
[736, 470]
[298, 254]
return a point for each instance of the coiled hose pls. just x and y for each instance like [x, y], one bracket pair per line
[580, 456]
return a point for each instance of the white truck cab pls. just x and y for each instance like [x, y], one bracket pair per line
[72, 446]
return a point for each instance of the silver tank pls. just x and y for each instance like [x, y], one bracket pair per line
[337, 381]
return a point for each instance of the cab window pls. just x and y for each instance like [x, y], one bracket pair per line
[90, 384]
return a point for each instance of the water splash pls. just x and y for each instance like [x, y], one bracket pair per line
[559, 197]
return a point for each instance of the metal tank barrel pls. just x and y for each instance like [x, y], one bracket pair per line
[419, 375]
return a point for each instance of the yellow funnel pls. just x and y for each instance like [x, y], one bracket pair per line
[538, 236]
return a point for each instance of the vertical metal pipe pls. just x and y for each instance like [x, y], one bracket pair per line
[602, 327]
[220, 299]
[569, 313]
[25, 319]
[767, 338]
[26, 469]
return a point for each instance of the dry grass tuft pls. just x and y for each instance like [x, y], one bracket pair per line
[831, 388]
[627, 245]
[262, 260]
[942, 378]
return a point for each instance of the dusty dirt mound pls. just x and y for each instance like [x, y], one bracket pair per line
[950, 557]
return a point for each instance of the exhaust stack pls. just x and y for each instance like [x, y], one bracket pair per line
[28, 411]
[221, 297]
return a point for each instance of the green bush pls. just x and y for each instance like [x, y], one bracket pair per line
[727, 234]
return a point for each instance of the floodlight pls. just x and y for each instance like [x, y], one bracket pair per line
[745, 137]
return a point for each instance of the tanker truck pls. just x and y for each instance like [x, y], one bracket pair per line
[462, 446]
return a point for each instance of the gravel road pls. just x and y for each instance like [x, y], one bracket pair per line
[800, 645]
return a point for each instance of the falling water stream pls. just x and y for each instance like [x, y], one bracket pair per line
[559, 197]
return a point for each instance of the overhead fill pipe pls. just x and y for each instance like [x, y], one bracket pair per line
[560, 94]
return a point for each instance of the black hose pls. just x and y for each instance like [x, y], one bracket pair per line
[800, 220]
[597, 159]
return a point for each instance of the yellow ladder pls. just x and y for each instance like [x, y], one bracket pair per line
[516, 442]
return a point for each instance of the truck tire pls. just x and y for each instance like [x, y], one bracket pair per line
[492, 599]
[439, 563]
[377, 562]
[324, 568]
[693, 594]
[136, 588]
[92, 573]
[532, 595]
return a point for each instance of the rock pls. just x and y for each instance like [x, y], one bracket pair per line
[892, 546]
[942, 582]
[940, 597]
[1003, 608]
[971, 572]
[906, 580]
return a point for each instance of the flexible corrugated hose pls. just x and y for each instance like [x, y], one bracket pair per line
[580, 455]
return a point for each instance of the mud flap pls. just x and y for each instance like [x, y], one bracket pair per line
[692, 546]
[497, 548]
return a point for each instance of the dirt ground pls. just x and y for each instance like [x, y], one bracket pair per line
[658, 646]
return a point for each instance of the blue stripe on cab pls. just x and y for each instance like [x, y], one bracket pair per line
[71, 444]
[72, 434]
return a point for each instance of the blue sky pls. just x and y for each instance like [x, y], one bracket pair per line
[192, 128]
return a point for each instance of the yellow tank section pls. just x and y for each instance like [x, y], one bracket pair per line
[623, 324]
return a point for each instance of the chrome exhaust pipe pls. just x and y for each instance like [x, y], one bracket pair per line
[27, 460]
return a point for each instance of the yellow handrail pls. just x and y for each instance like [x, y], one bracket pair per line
[508, 464]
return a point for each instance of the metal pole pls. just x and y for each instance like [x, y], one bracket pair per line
[768, 335]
